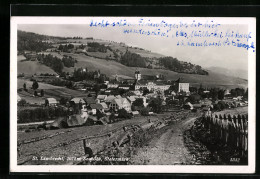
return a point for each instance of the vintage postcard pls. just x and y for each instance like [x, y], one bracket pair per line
[132, 94]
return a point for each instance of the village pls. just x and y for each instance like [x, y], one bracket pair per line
[125, 98]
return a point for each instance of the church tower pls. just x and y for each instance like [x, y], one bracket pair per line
[137, 75]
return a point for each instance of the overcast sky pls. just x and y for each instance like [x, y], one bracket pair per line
[227, 57]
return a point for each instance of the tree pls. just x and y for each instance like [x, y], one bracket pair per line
[156, 105]
[42, 93]
[138, 102]
[22, 102]
[35, 85]
[221, 94]
[145, 91]
[144, 111]
[122, 113]
[24, 86]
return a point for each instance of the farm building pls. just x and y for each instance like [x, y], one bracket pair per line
[117, 104]
[101, 98]
[51, 102]
[93, 108]
[78, 100]
[90, 100]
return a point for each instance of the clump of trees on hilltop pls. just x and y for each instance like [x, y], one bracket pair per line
[56, 63]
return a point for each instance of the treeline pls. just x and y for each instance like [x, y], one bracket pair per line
[174, 64]
[56, 63]
[31, 45]
[133, 60]
[68, 61]
[65, 48]
[81, 74]
[32, 42]
[40, 114]
[96, 47]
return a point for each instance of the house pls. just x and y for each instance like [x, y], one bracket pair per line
[105, 106]
[78, 100]
[51, 102]
[113, 85]
[90, 100]
[101, 98]
[123, 86]
[93, 108]
[197, 105]
[131, 99]
[109, 99]
[117, 104]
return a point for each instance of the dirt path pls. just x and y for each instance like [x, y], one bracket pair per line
[166, 148]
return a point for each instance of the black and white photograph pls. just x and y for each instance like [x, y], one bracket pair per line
[132, 94]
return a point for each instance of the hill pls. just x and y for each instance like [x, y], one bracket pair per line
[111, 58]
[230, 72]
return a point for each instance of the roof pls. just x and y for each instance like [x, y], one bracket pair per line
[135, 112]
[118, 96]
[101, 97]
[51, 100]
[90, 100]
[78, 100]
[110, 98]
[119, 102]
[131, 98]
[96, 106]
[124, 85]
[104, 105]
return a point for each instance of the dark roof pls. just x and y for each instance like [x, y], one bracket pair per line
[96, 106]
[90, 100]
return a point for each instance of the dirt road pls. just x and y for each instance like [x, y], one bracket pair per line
[167, 147]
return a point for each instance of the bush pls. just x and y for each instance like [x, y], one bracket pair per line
[122, 113]
[40, 114]
[22, 102]
[144, 111]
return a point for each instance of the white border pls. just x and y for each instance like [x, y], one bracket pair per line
[251, 22]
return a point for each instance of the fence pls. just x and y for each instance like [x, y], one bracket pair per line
[230, 130]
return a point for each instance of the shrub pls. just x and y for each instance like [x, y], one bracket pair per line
[144, 111]
[22, 102]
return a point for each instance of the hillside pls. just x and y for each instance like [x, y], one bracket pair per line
[230, 72]
[113, 58]
[111, 68]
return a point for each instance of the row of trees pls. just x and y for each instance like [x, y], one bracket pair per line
[133, 60]
[175, 65]
[65, 48]
[56, 63]
[96, 47]
[40, 114]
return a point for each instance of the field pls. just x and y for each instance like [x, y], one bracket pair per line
[235, 111]
[50, 91]
[33, 67]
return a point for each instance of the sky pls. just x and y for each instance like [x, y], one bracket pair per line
[226, 57]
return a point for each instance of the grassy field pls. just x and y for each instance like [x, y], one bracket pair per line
[33, 67]
[111, 68]
[50, 91]
[235, 111]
